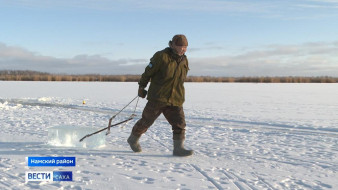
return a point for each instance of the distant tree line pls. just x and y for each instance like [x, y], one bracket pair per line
[289, 79]
[41, 76]
[9, 75]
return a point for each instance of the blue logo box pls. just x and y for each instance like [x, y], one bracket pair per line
[51, 161]
[62, 176]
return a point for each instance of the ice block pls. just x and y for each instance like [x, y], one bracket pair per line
[69, 136]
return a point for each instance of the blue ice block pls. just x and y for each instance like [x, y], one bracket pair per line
[69, 136]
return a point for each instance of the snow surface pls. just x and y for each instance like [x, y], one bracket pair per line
[245, 136]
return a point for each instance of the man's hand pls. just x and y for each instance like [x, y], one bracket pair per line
[141, 92]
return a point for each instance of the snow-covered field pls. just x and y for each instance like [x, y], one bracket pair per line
[245, 136]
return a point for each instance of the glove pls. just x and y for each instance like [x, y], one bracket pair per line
[141, 92]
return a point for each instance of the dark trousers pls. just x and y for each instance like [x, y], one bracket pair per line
[173, 114]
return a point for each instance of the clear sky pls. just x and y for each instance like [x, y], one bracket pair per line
[226, 37]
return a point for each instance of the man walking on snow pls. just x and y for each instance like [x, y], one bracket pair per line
[167, 71]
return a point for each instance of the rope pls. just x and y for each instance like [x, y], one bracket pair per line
[111, 119]
[132, 116]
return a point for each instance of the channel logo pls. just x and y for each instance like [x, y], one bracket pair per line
[62, 176]
[39, 176]
[49, 176]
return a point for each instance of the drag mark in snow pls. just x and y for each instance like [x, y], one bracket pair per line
[240, 183]
[263, 181]
[57, 105]
[206, 176]
[268, 125]
[156, 138]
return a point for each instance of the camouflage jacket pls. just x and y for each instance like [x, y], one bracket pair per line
[167, 72]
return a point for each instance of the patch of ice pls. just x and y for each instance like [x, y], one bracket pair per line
[7, 106]
[4, 105]
[45, 99]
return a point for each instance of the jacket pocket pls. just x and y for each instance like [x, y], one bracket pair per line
[169, 71]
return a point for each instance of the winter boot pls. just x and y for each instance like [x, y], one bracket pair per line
[133, 142]
[179, 150]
